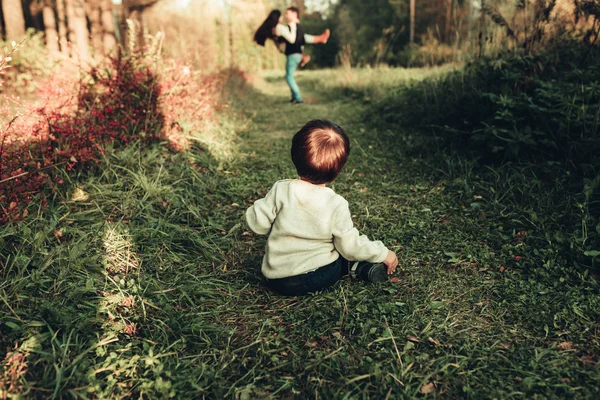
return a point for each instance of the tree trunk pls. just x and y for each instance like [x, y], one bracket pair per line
[78, 28]
[108, 25]
[62, 27]
[482, 30]
[50, 28]
[94, 14]
[411, 38]
[14, 20]
[448, 22]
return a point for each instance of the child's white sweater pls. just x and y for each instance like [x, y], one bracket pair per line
[309, 226]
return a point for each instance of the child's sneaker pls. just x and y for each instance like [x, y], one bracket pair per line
[369, 272]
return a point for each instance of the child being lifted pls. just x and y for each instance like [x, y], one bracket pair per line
[312, 241]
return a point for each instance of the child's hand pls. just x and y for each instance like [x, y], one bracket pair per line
[391, 261]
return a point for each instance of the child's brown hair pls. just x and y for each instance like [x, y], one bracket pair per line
[320, 150]
[295, 10]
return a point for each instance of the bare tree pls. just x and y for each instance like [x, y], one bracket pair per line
[94, 13]
[78, 31]
[50, 27]
[412, 22]
[448, 20]
[14, 21]
[108, 25]
[62, 27]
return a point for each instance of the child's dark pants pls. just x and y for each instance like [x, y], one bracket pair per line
[310, 282]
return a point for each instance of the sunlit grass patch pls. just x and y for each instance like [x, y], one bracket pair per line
[372, 83]
[119, 254]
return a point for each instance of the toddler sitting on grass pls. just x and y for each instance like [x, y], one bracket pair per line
[312, 241]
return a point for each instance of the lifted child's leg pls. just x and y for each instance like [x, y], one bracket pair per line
[319, 39]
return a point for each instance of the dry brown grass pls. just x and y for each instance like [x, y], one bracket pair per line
[209, 36]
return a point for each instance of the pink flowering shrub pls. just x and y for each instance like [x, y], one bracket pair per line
[124, 101]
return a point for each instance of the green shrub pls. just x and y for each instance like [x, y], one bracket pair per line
[29, 63]
[514, 107]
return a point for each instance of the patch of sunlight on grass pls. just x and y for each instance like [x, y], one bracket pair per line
[263, 82]
[219, 139]
[120, 301]
[119, 253]
[372, 82]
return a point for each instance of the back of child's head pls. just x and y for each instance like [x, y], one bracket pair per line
[320, 150]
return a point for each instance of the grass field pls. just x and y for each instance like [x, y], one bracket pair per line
[141, 280]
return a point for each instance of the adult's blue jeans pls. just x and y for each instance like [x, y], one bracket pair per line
[291, 65]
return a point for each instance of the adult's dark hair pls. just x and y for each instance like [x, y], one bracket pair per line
[296, 10]
[320, 150]
[265, 31]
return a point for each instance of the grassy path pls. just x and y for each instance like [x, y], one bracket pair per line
[145, 281]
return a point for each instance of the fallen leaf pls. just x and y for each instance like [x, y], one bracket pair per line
[361, 174]
[235, 205]
[433, 341]
[502, 269]
[480, 304]
[246, 233]
[58, 235]
[504, 346]
[130, 329]
[477, 197]
[413, 339]
[79, 195]
[362, 190]
[395, 279]
[587, 360]
[427, 388]
[565, 346]
[127, 301]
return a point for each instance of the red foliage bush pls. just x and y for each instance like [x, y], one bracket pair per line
[119, 103]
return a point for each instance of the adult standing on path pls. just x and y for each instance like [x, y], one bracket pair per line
[293, 52]
[285, 38]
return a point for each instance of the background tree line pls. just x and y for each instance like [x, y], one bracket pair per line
[218, 33]
[379, 31]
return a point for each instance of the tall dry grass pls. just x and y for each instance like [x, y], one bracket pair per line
[211, 35]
